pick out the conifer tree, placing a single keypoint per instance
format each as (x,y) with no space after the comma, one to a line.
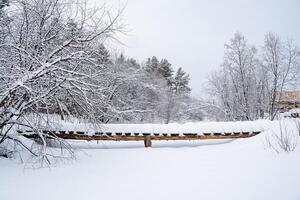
(152,65)
(181,82)
(166,71)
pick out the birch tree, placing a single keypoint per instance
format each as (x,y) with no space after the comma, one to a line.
(282,63)
(236,83)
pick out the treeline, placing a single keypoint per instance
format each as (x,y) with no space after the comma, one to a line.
(151,92)
(250,81)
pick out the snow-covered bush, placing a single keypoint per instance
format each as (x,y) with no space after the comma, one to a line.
(285,138)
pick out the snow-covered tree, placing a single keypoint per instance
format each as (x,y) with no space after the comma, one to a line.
(152,65)
(47,62)
(180,83)
(248,86)
(166,71)
(238,88)
(281,61)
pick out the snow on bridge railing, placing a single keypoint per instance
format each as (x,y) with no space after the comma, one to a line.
(148,132)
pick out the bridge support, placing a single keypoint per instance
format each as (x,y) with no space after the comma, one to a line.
(147,141)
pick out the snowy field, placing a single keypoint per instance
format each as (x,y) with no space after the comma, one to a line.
(229,170)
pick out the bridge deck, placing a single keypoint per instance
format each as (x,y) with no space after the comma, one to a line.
(146,137)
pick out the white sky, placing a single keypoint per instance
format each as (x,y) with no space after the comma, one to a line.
(191,33)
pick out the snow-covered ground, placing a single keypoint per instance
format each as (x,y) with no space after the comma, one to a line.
(231,169)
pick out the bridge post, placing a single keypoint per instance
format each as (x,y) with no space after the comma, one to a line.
(147,141)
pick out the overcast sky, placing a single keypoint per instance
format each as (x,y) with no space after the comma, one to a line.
(191,33)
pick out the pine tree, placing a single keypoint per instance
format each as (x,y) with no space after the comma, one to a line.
(133,63)
(181,82)
(165,68)
(166,71)
(120,59)
(103,55)
(152,65)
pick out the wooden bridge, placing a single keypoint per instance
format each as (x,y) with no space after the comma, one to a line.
(136,136)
